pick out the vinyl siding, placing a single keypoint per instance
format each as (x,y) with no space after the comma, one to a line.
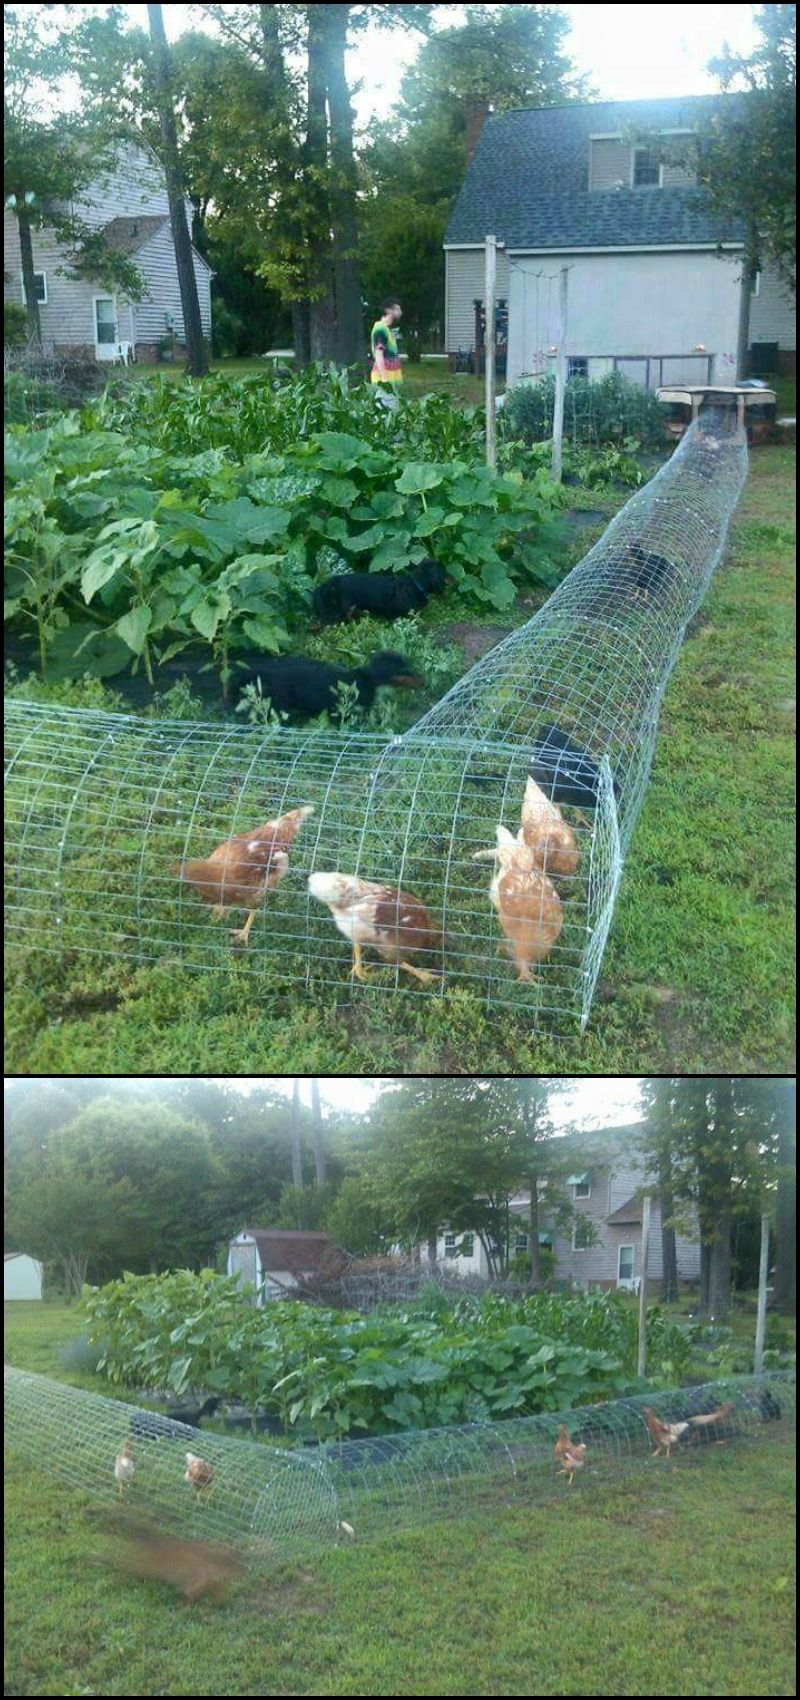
(772,312)
(464,283)
(629,304)
(608,162)
(610,1190)
(137,186)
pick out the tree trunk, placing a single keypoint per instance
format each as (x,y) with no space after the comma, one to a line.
(344,182)
(533,1233)
(719,1288)
(277,96)
(720,1178)
(301,325)
(26,253)
(196,357)
(316,1127)
(322,318)
(785,1278)
(297,1160)
(669,1255)
(432,1244)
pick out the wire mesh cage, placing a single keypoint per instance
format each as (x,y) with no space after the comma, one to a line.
(272,1502)
(488,840)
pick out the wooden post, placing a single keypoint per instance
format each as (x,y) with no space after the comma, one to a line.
(489,350)
(642,1359)
(761,1318)
(561,375)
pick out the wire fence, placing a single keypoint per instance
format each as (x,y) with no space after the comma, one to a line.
(275,1502)
(482,849)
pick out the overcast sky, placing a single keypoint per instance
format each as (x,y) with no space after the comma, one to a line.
(628,52)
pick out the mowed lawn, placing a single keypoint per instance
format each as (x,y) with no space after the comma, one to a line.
(699,971)
(661,1580)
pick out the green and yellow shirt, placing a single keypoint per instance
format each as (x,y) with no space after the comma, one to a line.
(383,338)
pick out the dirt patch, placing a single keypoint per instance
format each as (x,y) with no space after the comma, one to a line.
(475,640)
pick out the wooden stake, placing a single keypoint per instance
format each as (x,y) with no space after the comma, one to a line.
(561,375)
(490,271)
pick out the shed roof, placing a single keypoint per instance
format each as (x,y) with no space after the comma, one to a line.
(293,1250)
(627,1213)
(126,234)
(528,180)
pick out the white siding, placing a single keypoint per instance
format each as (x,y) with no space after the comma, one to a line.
(629,304)
(157,261)
(464,283)
(137,185)
(22,1278)
(772,312)
(609,162)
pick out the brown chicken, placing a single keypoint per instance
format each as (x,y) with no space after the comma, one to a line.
(569,1454)
(709,1419)
(665,1435)
(240,872)
(546,833)
(527,903)
(395,923)
(197,1568)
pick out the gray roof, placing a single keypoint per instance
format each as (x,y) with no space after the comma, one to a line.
(126,234)
(527,182)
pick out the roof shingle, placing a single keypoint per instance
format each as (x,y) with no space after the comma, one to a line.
(528,182)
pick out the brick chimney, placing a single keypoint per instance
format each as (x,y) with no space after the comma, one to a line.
(476,114)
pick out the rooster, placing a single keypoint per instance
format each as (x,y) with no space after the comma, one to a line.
(240,872)
(569,1454)
(527,903)
(665,1435)
(395,923)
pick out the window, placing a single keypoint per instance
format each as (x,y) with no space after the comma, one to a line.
(39,285)
(449,1245)
(756,285)
(105,318)
(581,1234)
(577,366)
(521,1243)
(583,1187)
(626,1263)
(459,1245)
(646,169)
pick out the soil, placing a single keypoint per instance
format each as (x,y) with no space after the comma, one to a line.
(474,640)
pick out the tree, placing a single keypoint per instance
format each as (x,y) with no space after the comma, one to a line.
(297,1158)
(50,162)
(785,1259)
(316,1128)
(343,191)
(196,357)
(657,1101)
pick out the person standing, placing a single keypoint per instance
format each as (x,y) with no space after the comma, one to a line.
(386,369)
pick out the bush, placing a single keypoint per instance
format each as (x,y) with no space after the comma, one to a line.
(229,333)
(607,411)
(15,325)
(36,383)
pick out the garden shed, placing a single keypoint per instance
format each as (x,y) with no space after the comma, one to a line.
(22,1276)
(272,1260)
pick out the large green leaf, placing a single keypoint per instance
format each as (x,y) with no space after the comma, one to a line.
(208,613)
(82,648)
(419,476)
(100,569)
(134,627)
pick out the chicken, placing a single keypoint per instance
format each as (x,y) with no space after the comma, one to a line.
(198,1472)
(546,833)
(665,1435)
(707,1420)
(124,1466)
(240,872)
(570,1455)
(527,903)
(395,923)
(347,1529)
(197,1568)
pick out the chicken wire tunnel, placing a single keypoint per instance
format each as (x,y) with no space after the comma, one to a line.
(272,1502)
(490,837)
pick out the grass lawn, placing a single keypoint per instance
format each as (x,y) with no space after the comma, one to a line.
(699,969)
(654,1580)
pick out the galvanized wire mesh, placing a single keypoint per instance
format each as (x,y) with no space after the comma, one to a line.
(274,1502)
(100,807)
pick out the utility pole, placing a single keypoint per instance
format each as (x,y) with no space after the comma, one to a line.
(761,1315)
(640,1367)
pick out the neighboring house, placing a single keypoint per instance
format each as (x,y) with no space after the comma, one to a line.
(80,317)
(655,277)
(272,1259)
(605,1194)
(22,1276)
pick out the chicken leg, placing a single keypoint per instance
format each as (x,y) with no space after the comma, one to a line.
(358,969)
(241,935)
(423,974)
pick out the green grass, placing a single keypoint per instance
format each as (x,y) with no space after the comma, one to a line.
(673,1580)
(699,970)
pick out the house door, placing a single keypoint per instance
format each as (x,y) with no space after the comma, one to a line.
(106,328)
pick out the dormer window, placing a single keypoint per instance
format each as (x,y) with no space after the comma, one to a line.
(646,169)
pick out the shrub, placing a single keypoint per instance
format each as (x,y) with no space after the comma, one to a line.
(606,411)
(15,325)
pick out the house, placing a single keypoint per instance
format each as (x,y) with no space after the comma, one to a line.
(22,1276)
(654,279)
(273,1259)
(78,316)
(604,1248)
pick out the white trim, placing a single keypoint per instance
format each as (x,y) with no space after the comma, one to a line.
(622,248)
(39,304)
(663,130)
(644,147)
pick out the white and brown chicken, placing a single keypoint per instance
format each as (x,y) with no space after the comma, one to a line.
(241,872)
(527,903)
(394,923)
